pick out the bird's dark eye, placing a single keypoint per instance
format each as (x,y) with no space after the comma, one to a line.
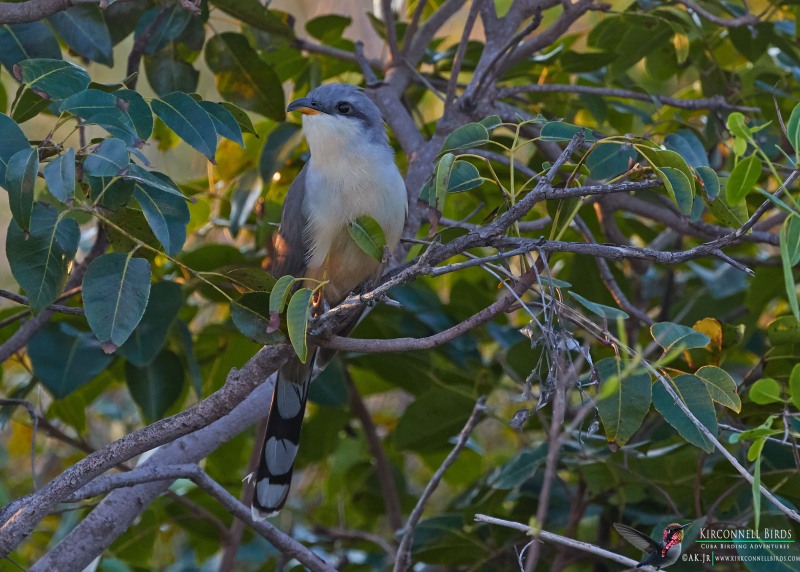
(343,107)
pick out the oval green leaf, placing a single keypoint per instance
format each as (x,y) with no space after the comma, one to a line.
(743,178)
(115,293)
(368,235)
(20,183)
(297,315)
(108,159)
(188,120)
(466,136)
(624,398)
(721,386)
(59,175)
(692,392)
(765,391)
(40,261)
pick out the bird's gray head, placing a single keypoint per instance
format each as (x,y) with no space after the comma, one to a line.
(339,116)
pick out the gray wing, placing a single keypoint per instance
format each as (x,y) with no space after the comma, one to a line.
(288,243)
(639,540)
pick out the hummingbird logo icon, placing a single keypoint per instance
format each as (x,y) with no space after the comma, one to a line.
(660,554)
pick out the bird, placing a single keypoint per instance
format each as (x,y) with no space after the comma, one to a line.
(659,554)
(351,173)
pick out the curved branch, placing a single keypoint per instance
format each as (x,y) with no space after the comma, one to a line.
(20,517)
(34,10)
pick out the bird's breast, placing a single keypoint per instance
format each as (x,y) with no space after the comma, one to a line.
(337,195)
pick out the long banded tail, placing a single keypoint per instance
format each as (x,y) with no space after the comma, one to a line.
(274,474)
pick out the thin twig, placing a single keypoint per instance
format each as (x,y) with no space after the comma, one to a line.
(558,539)
(383,468)
(403,560)
(69,310)
(714,103)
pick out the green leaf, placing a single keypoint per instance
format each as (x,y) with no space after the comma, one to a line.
(55,78)
(675,337)
(149,336)
(252,278)
(27,104)
(793,128)
(251,317)
(189,121)
(790,239)
(466,136)
(157,180)
(64,359)
(20,183)
(679,187)
(254,13)
(166,213)
(464,177)
(787,251)
(297,315)
(794,386)
(167,74)
(737,126)
(112,193)
(368,235)
(84,31)
(441,181)
(97,107)
(625,395)
(784,330)
(241,117)
(721,386)
(115,293)
(610,160)
(688,146)
(137,110)
(732,216)
(59,175)
(277,149)
(155,387)
(329,27)
(12,142)
(519,469)
(280,293)
(600,309)
(693,393)
(415,431)
(108,159)
(660,159)
(743,178)
(560,131)
(243,78)
(765,391)
(27,41)
(710,181)
(224,121)
(40,262)
(170,22)
(491,122)
(756,486)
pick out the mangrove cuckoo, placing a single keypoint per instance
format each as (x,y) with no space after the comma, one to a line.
(351,173)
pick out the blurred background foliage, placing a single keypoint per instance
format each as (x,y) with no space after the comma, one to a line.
(189,336)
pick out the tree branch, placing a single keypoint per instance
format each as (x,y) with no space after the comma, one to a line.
(69,310)
(149,473)
(20,517)
(403,560)
(713,103)
(568,542)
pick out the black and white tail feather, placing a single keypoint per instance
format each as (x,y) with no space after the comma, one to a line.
(282,439)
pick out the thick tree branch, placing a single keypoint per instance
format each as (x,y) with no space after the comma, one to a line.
(151,473)
(20,517)
(35,10)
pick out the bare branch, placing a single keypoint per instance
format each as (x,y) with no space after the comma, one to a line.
(148,474)
(746,20)
(383,468)
(20,517)
(415,344)
(34,10)
(69,310)
(558,539)
(391,31)
(714,103)
(403,560)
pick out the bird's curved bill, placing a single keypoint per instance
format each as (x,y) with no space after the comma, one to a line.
(303,105)
(684,526)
